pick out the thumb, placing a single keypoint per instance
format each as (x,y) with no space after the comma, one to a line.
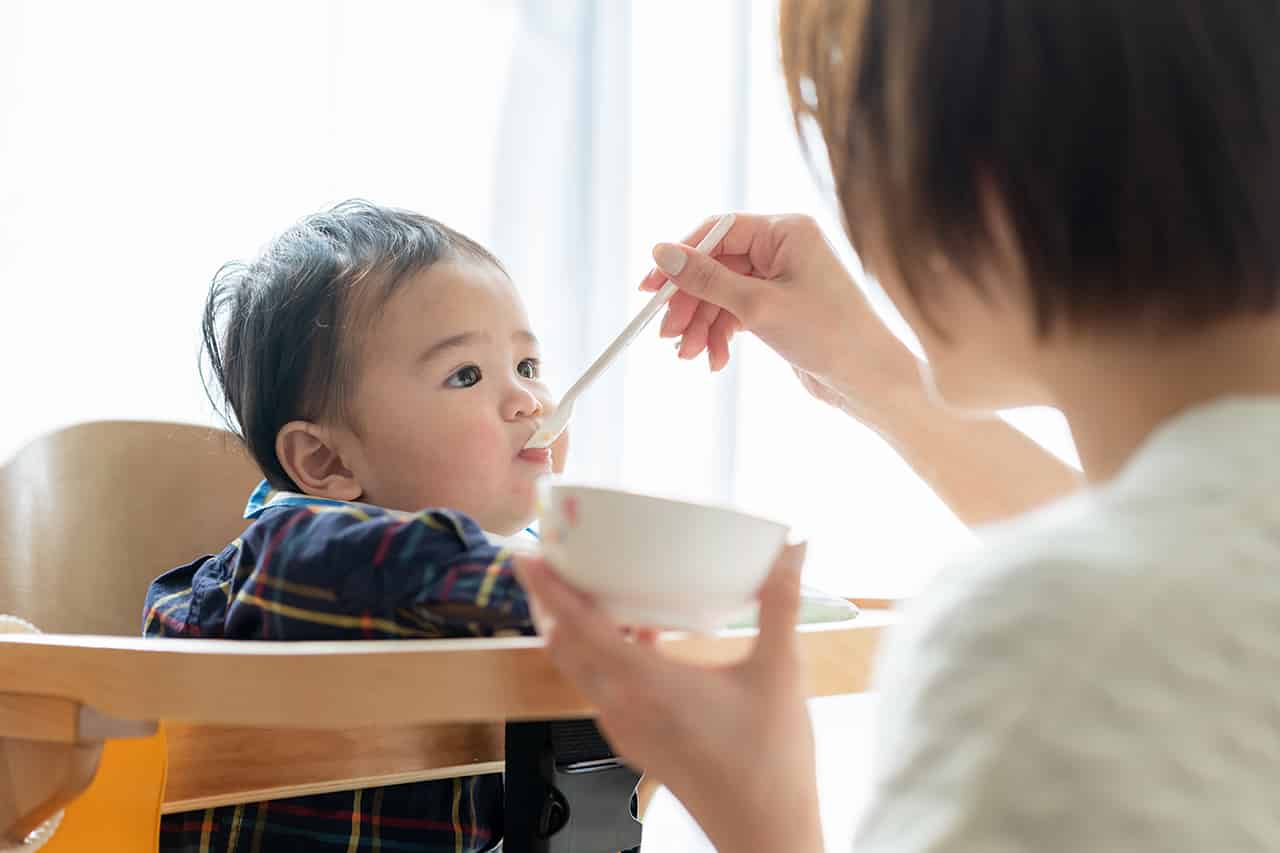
(703,276)
(779,607)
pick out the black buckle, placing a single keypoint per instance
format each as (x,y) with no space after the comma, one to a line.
(565,792)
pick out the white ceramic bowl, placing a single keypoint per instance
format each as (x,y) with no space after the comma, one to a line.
(653,561)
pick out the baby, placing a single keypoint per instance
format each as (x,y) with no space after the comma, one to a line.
(382,372)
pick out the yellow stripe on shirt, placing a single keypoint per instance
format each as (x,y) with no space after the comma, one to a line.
(491,578)
(305,590)
(457,821)
(155,608)
(353,844)
(206,830)
(234,836)
(376,819)
(353,511)
(333,619)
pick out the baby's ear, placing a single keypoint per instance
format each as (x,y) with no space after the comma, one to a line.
(309,457)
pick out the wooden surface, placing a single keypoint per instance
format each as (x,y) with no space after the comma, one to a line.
(222,765)
(91,514)
(330,685)
(39,718)
(878,603)
(213,765)
(37,778)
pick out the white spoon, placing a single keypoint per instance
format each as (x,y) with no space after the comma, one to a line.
(554,425)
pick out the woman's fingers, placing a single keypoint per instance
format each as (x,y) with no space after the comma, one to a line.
(555,598)
(530,571)
(718,338)
(683,306)
(694,726)
(680,310)
(775,648)
(656,278)
(703,326)
(584,643)
(695,335)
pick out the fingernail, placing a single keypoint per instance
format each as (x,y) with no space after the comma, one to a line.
(670,259)
(796,553)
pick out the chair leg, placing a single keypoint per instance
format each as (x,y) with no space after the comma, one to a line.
(49,752)
(566,792)
(37,778)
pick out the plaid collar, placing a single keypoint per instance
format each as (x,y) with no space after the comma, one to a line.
(265,497)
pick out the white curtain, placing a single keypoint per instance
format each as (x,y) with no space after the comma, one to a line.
(559,202)
(711,131)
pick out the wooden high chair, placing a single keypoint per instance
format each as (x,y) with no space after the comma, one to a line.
(89,515)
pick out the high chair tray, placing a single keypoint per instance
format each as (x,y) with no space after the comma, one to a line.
(328,685)
(376,713)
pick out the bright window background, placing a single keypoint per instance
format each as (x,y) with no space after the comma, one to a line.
(142,144)
(150,142)
(713,132)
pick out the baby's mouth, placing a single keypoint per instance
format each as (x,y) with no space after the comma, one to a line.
(536,455)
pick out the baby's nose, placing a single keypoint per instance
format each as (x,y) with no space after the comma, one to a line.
(524,404)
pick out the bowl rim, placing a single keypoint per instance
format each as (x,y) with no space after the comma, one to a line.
(545,484)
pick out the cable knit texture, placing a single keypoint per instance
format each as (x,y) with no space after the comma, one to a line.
(1103,674)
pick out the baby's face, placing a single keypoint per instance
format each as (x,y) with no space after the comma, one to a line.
(448,392)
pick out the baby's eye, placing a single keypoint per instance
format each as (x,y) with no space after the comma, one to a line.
(530,368)
(464,377)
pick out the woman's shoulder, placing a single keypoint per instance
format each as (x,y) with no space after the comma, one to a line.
(1041,679)
(1145,562)
(1198,484)
(1063,557)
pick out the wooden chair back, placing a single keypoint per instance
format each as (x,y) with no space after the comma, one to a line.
(91,514)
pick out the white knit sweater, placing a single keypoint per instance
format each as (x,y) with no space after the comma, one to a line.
(1103,674)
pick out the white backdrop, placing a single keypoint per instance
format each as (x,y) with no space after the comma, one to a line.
(143,143)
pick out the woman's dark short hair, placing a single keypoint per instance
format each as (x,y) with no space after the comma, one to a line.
(282,331)
(1133,143)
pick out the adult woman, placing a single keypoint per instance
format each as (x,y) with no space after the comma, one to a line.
(1073,205)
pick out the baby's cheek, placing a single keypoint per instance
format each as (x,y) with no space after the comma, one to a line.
(477,452)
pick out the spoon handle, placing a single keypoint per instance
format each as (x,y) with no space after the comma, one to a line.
(637,324)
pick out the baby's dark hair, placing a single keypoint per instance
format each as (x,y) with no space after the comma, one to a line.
(278,329)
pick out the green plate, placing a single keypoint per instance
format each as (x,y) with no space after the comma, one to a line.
(816,607)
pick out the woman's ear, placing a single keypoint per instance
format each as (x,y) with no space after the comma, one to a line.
(309,456)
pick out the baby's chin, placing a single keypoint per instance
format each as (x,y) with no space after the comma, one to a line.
(503,521)
(510,525)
